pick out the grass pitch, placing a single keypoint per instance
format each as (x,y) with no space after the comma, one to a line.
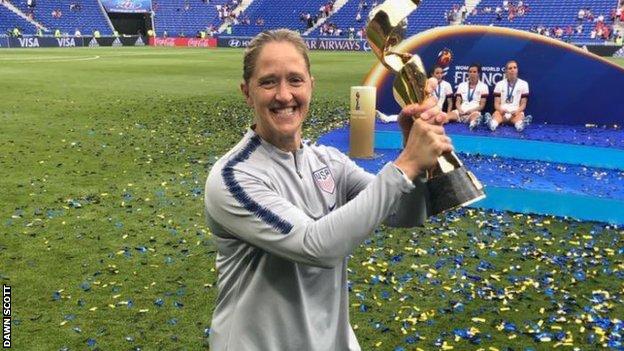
(103,157)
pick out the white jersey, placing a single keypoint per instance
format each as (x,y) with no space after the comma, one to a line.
(283,224)
(511,95)
(472,97)
(443,92)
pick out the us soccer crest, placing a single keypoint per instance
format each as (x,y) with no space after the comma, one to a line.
(324,180)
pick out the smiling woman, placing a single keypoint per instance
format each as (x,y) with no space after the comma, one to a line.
(279,89)
(285,214)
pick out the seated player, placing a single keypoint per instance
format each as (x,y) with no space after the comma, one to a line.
(443,92)
(510,100)
(470,98)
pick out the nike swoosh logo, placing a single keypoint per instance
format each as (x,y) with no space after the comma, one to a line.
(331,208)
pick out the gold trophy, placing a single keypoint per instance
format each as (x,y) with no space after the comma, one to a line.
(450,183)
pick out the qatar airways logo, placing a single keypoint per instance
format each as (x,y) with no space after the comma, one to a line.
(338,45)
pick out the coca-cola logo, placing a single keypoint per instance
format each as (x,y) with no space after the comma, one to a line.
(204,43)
(164,41)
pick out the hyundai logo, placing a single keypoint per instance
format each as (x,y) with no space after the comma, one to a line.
(234,43)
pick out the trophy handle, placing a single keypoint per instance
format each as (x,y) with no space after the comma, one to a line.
(410,83)
(386,30)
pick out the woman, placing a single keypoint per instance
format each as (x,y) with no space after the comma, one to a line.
(286,214)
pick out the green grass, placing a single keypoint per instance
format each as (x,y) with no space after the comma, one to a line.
(618,60)
(103,158)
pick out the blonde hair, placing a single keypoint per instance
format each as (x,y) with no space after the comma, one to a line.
(276,35)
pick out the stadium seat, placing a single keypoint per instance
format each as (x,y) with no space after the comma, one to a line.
(88,17)
(10,20)
(185,16)
(548,13)
(345,18)
(277,14)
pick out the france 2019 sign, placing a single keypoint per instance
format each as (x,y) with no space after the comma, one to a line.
(567,85)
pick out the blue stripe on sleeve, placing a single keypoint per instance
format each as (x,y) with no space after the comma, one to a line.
(266,215)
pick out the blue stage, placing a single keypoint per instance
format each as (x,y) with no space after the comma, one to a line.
(571,171)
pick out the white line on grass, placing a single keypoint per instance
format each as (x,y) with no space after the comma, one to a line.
(49,59)
(173,52)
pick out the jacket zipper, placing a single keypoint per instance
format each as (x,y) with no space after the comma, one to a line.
(297,166)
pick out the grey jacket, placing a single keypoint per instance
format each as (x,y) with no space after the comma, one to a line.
(284,224)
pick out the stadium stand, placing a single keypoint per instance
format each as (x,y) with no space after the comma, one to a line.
(10,20)
(430,14)
(540,15)
(276,14)
(548,14)
(186,17)
(345,17)
(67,15)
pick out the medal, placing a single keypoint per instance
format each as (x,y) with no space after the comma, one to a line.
(510,90)
(471,94)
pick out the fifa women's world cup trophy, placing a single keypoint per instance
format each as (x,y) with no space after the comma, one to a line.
(450,183)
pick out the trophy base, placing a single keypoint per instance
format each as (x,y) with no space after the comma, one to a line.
(456,188)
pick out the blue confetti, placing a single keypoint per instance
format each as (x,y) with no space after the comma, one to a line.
(85,286)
